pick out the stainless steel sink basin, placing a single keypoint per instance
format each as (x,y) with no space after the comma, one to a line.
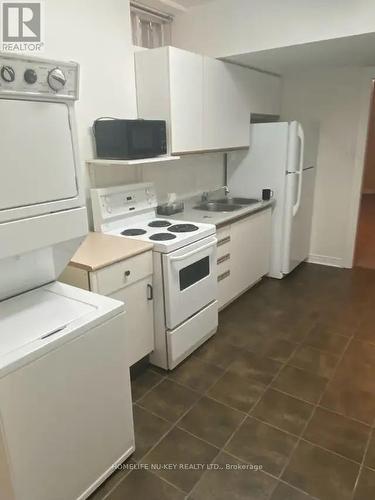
(215,206)
(237,201)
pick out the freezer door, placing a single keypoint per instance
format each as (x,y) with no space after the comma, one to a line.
(298,217)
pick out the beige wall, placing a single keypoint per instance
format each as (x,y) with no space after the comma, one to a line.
(369,172)
(97,35)
(226,27)
(333,97)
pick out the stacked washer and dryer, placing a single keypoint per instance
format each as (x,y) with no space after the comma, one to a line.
(65,404)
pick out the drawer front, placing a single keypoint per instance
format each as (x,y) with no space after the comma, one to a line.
(225,287)
(224,243)
(113,278)
(184,339)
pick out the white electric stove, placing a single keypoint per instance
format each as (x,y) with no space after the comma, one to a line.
(185,279)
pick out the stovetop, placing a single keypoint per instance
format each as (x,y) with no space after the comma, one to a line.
(166,235)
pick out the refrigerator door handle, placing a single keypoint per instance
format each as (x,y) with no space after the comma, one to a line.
(299,172)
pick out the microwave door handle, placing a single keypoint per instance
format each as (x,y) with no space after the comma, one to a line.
(189,254)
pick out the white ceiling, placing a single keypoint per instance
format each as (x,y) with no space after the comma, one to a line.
(356,50)
(191,3)
(172,6)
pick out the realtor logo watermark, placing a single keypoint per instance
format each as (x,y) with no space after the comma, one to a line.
(22,26)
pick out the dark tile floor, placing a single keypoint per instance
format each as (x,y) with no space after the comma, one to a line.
(279,405)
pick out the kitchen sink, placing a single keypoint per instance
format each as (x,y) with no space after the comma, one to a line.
(237,201)
(215,206)
(227,204)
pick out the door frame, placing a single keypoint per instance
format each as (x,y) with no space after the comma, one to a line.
(367,89)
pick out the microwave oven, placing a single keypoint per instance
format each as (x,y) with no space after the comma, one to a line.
(118,139)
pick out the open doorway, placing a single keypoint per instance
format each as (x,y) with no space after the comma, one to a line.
(365,242)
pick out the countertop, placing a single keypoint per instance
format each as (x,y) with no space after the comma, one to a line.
(100,250)
(220,219)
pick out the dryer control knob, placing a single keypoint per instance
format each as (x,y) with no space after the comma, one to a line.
(8,74)
(56,79)
(30,76)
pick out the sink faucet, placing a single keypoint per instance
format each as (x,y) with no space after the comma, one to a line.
(206,194)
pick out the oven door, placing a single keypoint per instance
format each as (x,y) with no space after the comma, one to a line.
(190,281)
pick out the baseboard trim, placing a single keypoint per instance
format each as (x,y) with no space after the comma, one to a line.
(325,260)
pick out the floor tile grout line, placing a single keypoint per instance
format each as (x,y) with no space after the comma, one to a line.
(196,402)
(320,405)
(175,424)
(300,436)
(313,412)
(362,465)
(225,370)
(151,388)
(341,414)
(223,449)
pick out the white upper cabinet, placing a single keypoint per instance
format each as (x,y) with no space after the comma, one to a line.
(204,106)
(186,100)
(226,112)
(170,87)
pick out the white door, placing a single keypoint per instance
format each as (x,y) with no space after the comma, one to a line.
(298,220)
(298,202)
(251,246)
(37,158)
(226,113)
(139,318)
(186,100)
(190,280)
(264,166)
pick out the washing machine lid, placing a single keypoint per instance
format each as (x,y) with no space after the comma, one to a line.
(36,322)
(37,315)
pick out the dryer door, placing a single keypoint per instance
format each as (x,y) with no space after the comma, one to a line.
(38,163)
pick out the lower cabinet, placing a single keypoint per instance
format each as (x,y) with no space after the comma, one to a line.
(131,282)
(139,317)
(243,255)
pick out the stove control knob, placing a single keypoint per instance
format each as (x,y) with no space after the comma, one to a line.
(56,79)
(30,76)
(8,74)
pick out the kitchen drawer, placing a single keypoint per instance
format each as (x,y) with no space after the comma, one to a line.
(112,278)
(189,335)
(224,240)
(225,286)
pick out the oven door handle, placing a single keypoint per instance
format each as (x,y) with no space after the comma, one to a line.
(193,252)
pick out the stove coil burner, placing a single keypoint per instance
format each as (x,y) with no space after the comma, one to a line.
(162,237)
(160,223)
(133,232)
(183,228)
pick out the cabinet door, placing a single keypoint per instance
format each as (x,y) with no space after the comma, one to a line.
(251,244)
(186,100)
(139,318)
(226,113)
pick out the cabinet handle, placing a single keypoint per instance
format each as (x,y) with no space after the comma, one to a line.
(223,276)
(222,259)
(126,274)
(150,292)
(223,241)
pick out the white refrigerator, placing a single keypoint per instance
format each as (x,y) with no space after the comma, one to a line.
(281,157)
